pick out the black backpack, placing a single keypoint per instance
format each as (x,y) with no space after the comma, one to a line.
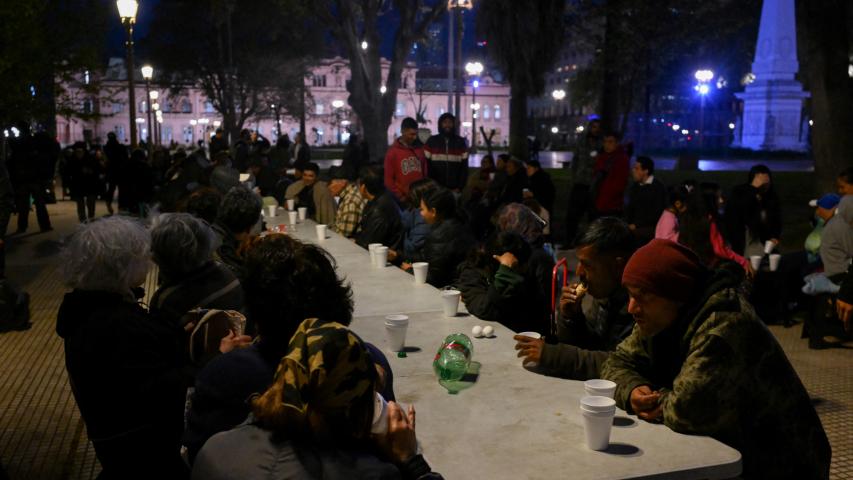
(14,308)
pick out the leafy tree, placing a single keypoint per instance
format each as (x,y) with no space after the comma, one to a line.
(350,22)
(523,38)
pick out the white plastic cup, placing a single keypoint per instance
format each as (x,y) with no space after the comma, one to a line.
(599,387)
(491,175)
(291,215)
(450,299)
(381,256)
(598,403)
(769,246)
(371,248)
(303,212)
(395,331)
(290,204)
(774,261)
(420,269)
(597,426)
(321,232)
(534,336)
(271,210)
(755,260)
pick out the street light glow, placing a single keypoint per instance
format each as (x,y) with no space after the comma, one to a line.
(154,95)
(558,94)
(475,106)
(383,89)
(466,124)
(460,4)
(704,75)
(475,84)
(147,72)
(555,129)
(676,127)
(579,129)
(339,103)
(731,126)
(364,45)
(127,9)
(155,106)
(685,131)
(703,89)
(346,123)
(474,68)
(193,122)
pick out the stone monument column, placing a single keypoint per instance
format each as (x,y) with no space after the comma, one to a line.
(773,103)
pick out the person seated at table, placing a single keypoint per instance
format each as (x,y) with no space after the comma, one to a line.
(449,239)
(844,182)
(265,178)
(380,221)
(478,184)
(124,365)
(182,246)
(701,361)
(699,230)
(667,226)
(287,281)
(498,284)
(588,331)
(315,420)
(521,219)
(222,175)
(646,200)
(415,228)
(238,214)
(313,194)
(753,214)
(350,205)
(204,204)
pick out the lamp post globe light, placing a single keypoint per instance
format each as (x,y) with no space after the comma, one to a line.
(147,75)
(558,94)
(454,50)
(337,104)
(127,12)
(703,77)
(474,69)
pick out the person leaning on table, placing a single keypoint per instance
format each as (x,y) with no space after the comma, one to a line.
(701,361)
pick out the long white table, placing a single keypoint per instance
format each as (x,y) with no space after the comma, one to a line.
(511,423)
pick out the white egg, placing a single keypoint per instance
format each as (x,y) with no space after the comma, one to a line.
(488,331)
(477,331)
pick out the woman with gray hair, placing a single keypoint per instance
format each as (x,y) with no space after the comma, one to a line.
(182,246)
(124,366)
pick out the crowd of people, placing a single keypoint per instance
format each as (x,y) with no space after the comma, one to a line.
(661,303)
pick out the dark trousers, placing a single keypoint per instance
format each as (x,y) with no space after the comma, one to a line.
(22,202)
(580,205)
(109,195)
(86,204)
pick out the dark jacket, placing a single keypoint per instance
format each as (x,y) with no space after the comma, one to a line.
(138,188)
(249,452)
(646,201)
(84,175)
(846,292)
(380,223)
(266,181)
(117,158)
(447,158)
(125,371)
(722,373)
(212,285)
(227,251)
(415,231)
(587,340)
(543,189)
(224,178)
(509,296)
(507,188)
(749,210)
(445,248)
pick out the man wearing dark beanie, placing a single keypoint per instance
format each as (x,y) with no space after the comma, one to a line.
(702,362)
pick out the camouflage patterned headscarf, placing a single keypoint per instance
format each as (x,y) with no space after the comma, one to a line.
(517,218)
(327,372)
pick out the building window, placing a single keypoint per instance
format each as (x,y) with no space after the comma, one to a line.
(188,134)
(319,81)
(143,106)
(486,112)
(186,106)
(497,112)
(400,110)
(319,109)
(165,106)
(208,107)
(119,129)
(440,111)
(117,108)
(166,134)
(405,82)
(88,107)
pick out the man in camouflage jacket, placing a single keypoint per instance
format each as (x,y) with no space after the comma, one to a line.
(701,361)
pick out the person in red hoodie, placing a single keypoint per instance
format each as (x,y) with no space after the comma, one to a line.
(404,161)
(610,178)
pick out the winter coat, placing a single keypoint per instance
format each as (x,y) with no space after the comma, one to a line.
(447,159)
(226,253)
(583,160)
(125,372)
(543,189)
(249,452)
(415,231)
(610,180)
(380,223)
(84,175)
(324,203)
(587,339)
(403,165)
(509,296)
(722,373)
(836,247)
(445,248)
(212,285)
(117,158)
(750,211)
(646,202)
(224,178)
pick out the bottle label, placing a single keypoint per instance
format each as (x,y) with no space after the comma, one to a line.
(459,347)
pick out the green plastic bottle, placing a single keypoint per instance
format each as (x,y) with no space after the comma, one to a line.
(453,358)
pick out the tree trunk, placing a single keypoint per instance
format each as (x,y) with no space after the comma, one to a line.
(610,84)
(824,31)
(518,122)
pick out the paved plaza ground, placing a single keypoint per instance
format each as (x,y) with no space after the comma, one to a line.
(43,437)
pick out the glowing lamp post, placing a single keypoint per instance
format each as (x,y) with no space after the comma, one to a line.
(474,69)
(703,77)
(147,75)
(127,13)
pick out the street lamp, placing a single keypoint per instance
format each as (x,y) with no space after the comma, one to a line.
(147,75)
(703,77)
(474,69)
(337,104)
(558,94)
(277,119)
(454,49)
(127,13)
(364,45)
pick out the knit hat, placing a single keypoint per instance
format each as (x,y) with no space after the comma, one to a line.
(664,268)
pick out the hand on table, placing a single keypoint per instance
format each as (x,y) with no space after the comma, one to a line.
(845,313)
(392,255)
(570,300)
(529,348)
(232,341)
(507,259)
(400,443)
(406,266)
(750,272)
(646,403)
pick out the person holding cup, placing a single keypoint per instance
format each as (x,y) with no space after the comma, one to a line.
(380,220)
(702,362)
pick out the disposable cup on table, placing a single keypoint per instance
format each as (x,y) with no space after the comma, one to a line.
(371,248)
(769,246)
(755,261)
(420,269)
(450,302)
(395,331)
(321,232)
(303,212)
(597,426)
(271,210)
(290,204)
(535,336)
(291,216)
(381,256)
(774,261)
(600,387)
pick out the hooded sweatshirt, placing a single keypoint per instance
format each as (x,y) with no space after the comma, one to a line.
(447,156)
(836,247)
(403,165)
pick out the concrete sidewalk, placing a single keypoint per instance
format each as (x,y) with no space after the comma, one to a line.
(43,437)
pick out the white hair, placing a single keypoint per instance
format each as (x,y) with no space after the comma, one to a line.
(109,254)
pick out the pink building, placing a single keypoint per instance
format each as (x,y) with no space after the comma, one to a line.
(95,103)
